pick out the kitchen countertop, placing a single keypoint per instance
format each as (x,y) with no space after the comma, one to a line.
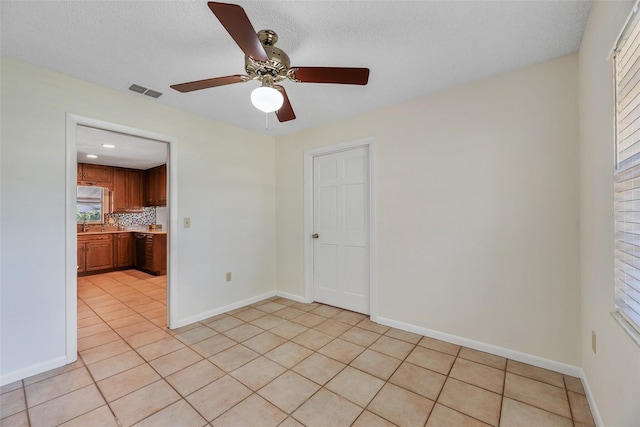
(92,233)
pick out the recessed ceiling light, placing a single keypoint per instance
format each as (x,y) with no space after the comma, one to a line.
(92,156)
(108,146)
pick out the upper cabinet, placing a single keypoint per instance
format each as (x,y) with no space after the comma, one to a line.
(128,190)
(97,175)
(156,186)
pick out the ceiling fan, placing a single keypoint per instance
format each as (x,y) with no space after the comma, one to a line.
(269,65)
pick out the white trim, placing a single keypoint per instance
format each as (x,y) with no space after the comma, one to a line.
(368,142)
(29,371)
(292,297)
(597,418)
(223,309)
(71,320)
(541,362)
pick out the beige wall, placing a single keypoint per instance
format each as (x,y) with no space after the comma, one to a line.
(613,372)
(477,209)
(225,184)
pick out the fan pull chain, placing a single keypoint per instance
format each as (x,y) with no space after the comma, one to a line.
(266,121)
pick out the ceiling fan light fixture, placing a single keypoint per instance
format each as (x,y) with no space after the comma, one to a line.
(267,99)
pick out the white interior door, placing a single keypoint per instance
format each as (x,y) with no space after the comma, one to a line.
(341,229)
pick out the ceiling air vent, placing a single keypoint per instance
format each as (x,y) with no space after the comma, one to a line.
(145,91)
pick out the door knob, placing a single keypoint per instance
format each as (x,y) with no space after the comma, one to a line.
(315,236)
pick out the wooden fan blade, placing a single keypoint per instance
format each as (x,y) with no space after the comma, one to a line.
(234,19)
(339,75)
(285,113)
(207,83)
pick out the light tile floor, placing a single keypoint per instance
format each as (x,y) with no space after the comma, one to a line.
(276,362)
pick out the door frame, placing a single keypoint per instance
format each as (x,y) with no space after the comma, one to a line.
(369,143)
(71,235)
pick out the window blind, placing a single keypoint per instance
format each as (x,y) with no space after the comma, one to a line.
(627,173)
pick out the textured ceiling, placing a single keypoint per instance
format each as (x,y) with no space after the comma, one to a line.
(413,48)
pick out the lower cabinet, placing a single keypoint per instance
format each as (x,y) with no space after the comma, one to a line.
(144,251)
(122,250)
(95,253)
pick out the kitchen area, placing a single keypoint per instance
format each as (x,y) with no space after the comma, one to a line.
(121,203)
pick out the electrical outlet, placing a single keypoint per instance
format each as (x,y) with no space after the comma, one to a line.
(187,223)
(228,276)
(593,341)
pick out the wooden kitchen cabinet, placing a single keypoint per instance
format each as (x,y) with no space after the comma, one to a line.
(95,252)
(122,250)
(156,186)
(100,176)
(128,190)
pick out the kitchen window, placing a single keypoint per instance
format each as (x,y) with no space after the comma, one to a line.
(626,62)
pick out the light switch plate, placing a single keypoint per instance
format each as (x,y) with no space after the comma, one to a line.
(187,223)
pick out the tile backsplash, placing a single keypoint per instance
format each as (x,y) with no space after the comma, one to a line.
(146,217)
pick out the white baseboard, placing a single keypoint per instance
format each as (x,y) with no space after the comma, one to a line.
(29,371)
(541,362)
(287,295)
(597,418)
(210,313)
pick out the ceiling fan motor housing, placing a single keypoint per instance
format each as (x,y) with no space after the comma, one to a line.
(278,63)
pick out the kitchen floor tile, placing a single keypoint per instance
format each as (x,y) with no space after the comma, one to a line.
(319,368)
(355,385)
(101,416)
(418,380)
(264,342)
(53,387)
(332,327)
(128,381)
(538,394)
(479,375)
(441,416)
(114,365)
(289,354)
(12,402)
(258,372)
(535,373)
(518,414)
(482,357)
(341,350)
(173,362)
(253,411)
(312,339)
(141,403)
(401,406)
(580,409)
(216,398)
(66,407)
(288,391)
(369,419)
(225,323)
(471,400)
(243,332)
(194,377)
(360,336)
(409,337)
(180,413)
(441,346)
(288,329)
(314,411)
(431,359)
(392,347)
(377,364)
(233,357)
(213,345)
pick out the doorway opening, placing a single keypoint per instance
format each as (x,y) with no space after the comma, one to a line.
(127,232)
